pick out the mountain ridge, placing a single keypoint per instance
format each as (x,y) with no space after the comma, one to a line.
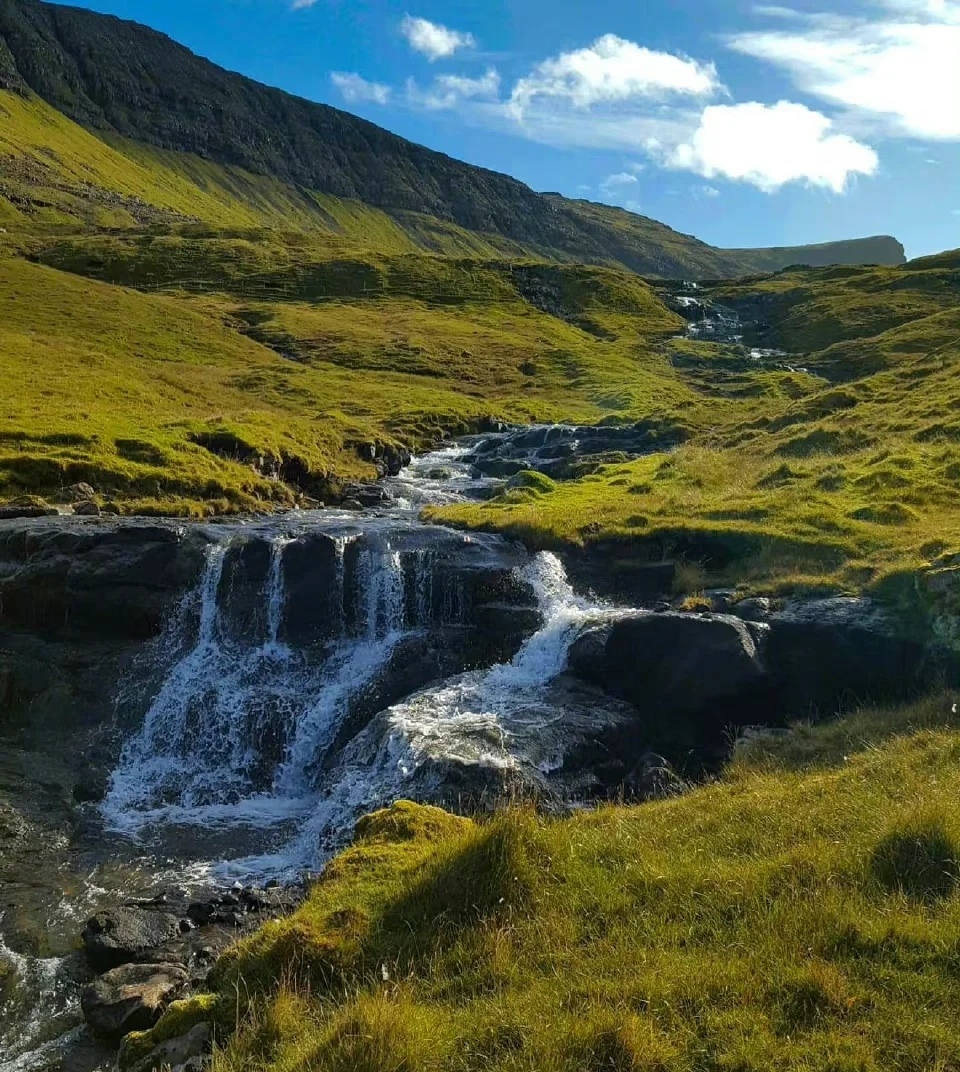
(121,79)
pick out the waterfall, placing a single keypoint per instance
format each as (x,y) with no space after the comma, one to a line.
(237,728)
(479,718)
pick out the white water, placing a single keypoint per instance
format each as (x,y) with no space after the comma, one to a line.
(495,718)
(233,766)
(198,757)
(45,1007)
(241,732)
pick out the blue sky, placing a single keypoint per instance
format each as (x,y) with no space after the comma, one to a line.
(745,124)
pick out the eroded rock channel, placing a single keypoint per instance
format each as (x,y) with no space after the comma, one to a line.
(195,715)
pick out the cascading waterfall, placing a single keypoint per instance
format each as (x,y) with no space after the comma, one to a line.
(252,723)
(200,755)
(492,718)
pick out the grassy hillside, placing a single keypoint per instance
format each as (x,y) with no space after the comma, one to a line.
(849,482)
(130,84)
(208,397)
(632,239)
(801,913)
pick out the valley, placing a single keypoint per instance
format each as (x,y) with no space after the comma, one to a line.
(446,626)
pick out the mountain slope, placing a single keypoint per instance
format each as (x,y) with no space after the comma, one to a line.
(122,79)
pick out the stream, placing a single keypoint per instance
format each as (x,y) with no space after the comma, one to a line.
(324,664)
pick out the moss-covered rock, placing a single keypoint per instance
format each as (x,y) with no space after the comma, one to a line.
(179,1020)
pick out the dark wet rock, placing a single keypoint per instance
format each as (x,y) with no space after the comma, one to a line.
(131,997)
(690,677)
(653,778)
(613,573)
(87,508)
(367,495)
(561,451)
(829,655)
(125,935)
(757,609)
(94,581)
(351,504)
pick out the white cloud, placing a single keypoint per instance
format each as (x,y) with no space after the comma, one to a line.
(896,66)
(355,89)
(709,191)
(770,146)
(612,70)
(450,90)
(432,40)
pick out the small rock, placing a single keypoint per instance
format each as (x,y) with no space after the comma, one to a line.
(79,493)
(87,508)
(753,610)
(201,913)
(131,997)
(351,504)
(123,935)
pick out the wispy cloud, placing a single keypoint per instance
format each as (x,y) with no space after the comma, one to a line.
(432,40)
(618,184)
(895,67)
(354,89)
(450,90)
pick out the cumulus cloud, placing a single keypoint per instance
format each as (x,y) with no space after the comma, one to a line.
(612,70)
(770,146)
(355,89)
(432,40)
(450,90)
(897,65)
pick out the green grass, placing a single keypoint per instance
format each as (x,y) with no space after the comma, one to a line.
(800,913)
(121,388)
(789,479)
(170,302)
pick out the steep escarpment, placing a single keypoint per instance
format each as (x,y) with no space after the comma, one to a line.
(123,79)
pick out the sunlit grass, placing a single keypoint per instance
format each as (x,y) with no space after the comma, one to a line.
(790,916)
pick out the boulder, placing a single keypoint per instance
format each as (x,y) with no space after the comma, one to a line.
(131,997)
(26,507)
(77,493)
(828,655)
(87,508)
(66,578)
(756,609)
(124,935)
(689,676)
